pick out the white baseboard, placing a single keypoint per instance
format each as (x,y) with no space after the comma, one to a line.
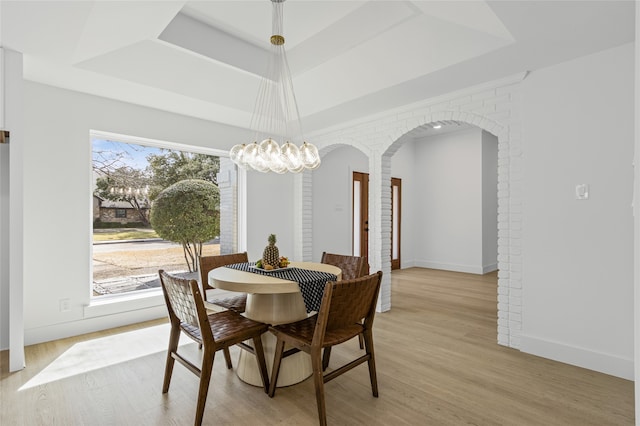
(450,267)
(581,357)
(89,325)
(489,268)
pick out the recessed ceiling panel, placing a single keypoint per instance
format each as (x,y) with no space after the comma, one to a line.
(79,80)
(251,20)
(420,46)
(473,14)
(115,24)
(198,37)
(349,59)
(354,29)
(157,64)
(46,29)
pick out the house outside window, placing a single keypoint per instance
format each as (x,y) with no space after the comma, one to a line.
(121,213)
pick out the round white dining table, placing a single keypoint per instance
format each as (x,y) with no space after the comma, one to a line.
(273,301)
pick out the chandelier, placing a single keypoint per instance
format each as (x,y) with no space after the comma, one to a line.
(276,119)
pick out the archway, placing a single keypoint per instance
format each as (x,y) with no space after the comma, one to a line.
(490,107)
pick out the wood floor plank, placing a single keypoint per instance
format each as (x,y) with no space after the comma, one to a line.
(437,359)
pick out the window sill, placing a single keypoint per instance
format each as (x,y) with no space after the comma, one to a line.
(110,305)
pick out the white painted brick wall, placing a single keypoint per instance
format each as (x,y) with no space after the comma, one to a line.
(228,186)
(492,107)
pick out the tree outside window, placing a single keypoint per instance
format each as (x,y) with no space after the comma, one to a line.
(133,175)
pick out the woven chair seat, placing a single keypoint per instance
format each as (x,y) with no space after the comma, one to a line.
(303,331)
(229,327)
(235,303)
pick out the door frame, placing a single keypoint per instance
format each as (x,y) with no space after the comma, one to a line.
(396,182)
(361,229)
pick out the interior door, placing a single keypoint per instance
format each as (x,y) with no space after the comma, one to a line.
(361,215)
(396,198)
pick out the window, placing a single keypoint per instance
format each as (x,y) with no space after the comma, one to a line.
(128,175)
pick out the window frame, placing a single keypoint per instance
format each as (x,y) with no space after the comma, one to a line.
(143,299)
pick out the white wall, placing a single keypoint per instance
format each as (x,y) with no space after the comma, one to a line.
(332,200)
(57,207)
(489,202)
(448,225)
(403,166)
(578,254)
(270,210)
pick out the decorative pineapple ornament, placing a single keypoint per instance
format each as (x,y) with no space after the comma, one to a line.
(271,254)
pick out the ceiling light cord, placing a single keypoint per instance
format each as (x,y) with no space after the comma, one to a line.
(276,118)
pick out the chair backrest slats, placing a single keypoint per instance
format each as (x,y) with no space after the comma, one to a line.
(351,266)
(207,263)
(185,305)
(347,302)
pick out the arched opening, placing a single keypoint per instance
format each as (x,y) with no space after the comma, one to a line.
(504,223)
(381,137)
(332,224)
(449,204)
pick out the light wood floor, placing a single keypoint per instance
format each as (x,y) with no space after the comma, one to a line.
(437,359)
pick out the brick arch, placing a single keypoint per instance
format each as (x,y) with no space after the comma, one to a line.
(351,143)
(492,107)
(397,139)
(493,127)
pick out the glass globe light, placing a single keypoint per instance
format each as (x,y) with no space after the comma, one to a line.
(269,150)
(260,164)
(309,156)
(236,153)
(291,157)
(277,166)
(251,152)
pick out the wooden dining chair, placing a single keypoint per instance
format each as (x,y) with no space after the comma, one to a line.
(344,304)
(235,302)
(352,267)
(214,332)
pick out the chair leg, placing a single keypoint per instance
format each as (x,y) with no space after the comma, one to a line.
(318,380)
(174,338)
(277,360)
(361,341)
(205,378)
(326,355)
(262,364)
(227,357)
(368,341)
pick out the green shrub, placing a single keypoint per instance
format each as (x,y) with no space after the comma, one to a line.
(187,212)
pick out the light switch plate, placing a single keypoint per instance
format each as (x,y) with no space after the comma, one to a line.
(582,191)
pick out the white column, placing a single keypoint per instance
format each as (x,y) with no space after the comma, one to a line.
(4,222)
(13,111)
(380,224)
(636,219)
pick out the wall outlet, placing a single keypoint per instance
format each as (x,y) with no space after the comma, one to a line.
(65,305)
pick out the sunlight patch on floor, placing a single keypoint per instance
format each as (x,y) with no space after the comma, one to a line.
(104,352)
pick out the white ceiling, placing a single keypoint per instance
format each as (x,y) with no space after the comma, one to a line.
(348,58)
